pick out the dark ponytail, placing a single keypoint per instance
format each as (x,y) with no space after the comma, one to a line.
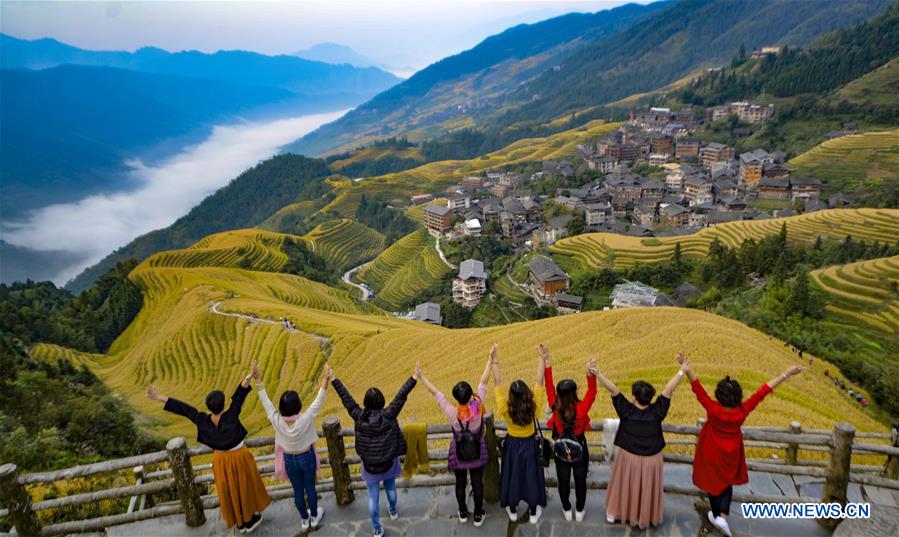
(729,392)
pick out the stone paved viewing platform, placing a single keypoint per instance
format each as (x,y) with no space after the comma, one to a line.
(431,512)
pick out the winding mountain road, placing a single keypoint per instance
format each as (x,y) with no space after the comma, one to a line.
(347,277)
(214,308)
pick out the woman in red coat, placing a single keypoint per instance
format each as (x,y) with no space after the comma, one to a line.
(720,461)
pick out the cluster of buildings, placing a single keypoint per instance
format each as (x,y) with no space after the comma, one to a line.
(745,111)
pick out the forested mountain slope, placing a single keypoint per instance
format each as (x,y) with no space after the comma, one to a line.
(455,90)
(634,52)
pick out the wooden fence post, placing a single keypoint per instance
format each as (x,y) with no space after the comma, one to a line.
(838,472)
(491,471)
(18,501)
(183,473)
(793,447)
(340,470)
(891,469)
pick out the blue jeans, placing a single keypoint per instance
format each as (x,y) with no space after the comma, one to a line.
(374,496)
(301,472)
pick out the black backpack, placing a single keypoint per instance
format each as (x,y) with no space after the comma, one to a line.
(566,447)
(468,444)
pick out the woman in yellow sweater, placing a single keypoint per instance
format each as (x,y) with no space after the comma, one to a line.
(522,474)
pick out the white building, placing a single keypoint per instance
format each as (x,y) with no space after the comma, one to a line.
(472,228)
(471,283)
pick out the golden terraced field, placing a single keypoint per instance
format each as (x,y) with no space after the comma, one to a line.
(844,163)
(345,243)
(408,266)
(862,301)
(593,250)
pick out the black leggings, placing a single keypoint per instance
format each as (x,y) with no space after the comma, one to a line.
(477,489)
(564,471)
(721,503)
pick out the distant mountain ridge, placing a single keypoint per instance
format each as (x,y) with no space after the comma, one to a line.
(432,97)
(336,54)
(537,73)
(72,117)
(234,66)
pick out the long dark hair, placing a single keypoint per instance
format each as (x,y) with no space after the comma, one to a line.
(566,401)
(522,407)
(729,392)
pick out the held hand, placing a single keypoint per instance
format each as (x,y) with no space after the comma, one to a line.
(255,371)
(592,367)
(681,358)
(793,370)
(418,372)
(152,393)
(493,359)
(686,367)
(543,352)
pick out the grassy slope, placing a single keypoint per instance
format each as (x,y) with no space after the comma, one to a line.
(860,302)
(864,161)
(407,267)
(343,244)
(877,87)
(592,250)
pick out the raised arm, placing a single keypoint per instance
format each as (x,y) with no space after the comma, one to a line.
(352,407)
(606,383)
(485,376)
(243,389)
(420,375)
(792,371)
(542,363)
(395,406)
(173,405)
(494,362)
(319,400)
(672,385)
(590,395)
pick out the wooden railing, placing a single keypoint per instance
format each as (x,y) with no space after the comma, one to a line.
(171,472)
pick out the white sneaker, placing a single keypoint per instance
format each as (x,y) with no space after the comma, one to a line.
(567,515)
(513,515)
(378,533)
(317,519)
(304,524)
(479,520)
(463,517)
(722,524)
(536,516)
(394,515)
(610,519)
(579,516)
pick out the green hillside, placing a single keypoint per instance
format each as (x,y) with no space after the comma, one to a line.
(406,268)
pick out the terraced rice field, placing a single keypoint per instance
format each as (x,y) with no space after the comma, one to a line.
(345,243)
(398,186)
(861,300)
(593,250)
(630,344)
(870,160)
(285,220)
(408,266)
(242,248)
(186,349)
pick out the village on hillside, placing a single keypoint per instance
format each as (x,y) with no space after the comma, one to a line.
(652,177)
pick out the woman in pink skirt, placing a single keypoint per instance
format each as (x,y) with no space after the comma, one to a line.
(636,494)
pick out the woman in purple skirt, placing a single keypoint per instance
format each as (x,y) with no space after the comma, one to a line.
(468,448)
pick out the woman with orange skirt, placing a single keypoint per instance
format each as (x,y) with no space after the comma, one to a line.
(242,495)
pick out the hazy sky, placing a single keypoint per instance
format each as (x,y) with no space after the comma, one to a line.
(401,34)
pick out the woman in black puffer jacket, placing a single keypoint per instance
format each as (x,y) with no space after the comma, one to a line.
(379,443)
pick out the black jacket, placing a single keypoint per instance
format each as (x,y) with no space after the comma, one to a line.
(229,432)
(379,440)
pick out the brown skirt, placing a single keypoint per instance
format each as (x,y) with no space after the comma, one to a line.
(239,485)
(636,489)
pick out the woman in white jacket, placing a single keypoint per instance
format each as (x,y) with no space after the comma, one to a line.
(295,437)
